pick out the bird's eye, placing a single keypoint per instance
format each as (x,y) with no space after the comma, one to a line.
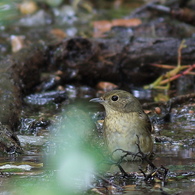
(114,98)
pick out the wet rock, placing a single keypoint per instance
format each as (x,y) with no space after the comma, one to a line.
(32,140)
(38,19)
(33,126)
(9,142)
(185,84)
(51,82)
(18,75)
(10,101)
(26,67)
(46,98)
(90,61)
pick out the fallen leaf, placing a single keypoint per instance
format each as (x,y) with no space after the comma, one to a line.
(28,7)
(58,33)
(106,86)
(126,22)
(103,26)
(17,43)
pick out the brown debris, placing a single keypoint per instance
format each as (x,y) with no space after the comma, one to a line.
(106,86)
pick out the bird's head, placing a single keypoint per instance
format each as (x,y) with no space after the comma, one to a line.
(119,100)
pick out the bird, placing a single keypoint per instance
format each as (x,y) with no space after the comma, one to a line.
(126,126)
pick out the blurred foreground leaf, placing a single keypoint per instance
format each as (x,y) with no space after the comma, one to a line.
(8,11)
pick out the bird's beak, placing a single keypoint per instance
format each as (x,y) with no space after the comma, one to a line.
(99,100)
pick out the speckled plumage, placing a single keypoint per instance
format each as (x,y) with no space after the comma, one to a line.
(125,124)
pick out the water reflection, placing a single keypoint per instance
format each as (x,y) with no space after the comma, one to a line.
(168,154)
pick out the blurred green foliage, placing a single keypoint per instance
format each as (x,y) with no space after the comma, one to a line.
(73,157)
(8,11)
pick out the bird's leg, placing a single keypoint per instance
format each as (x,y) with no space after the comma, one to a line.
(144,156)
(125,174)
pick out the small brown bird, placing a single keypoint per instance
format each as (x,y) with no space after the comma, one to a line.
(125,124)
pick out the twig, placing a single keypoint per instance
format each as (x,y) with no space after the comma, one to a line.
(172,74)
(181,46)
(107,181)
(178,75)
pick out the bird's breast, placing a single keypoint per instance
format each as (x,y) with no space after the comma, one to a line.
(122,132)
(122,123)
